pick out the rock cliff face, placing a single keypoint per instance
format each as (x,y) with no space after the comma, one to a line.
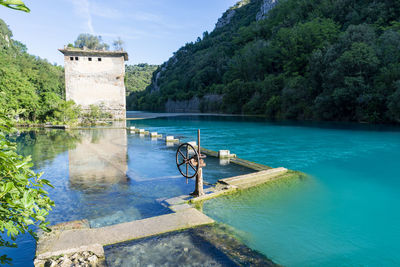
(266,6)
(228,15)
(208,103)
(154,83)
(225,19)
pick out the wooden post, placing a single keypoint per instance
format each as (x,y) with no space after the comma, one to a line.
(198,191)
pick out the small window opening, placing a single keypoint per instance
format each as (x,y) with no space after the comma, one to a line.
(76,58)
(90,59)
(99,59)
(71,58)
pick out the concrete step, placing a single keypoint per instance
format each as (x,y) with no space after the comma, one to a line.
(254,179)
(58,242)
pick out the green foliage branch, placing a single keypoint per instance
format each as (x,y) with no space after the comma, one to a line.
(24,202)
(90,41)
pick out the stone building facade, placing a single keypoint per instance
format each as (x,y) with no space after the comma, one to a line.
(94,77)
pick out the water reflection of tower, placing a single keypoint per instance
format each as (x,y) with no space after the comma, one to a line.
(99,160)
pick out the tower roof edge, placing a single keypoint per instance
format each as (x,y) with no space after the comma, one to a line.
(87,52)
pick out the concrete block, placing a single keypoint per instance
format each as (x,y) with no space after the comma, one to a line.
(132,128)
(169,138)
(224,154)
(141,131)
(154,134)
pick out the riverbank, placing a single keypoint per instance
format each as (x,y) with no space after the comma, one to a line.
(138,115)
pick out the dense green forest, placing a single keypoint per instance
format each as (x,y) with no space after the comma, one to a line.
(137,78)
(29,85)
(309,59)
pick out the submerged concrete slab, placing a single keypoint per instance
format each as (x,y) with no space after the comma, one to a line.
(254,179)
(217,192)
(249,164)
(70,240)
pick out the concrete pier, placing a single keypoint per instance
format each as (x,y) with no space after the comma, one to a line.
(60,242)
(171,139)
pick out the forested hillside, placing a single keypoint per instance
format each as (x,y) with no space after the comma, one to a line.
(28,83)
(137,78)
(309,59)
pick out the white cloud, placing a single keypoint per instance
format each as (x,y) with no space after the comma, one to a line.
(103,11)
(155,24)
(82,9)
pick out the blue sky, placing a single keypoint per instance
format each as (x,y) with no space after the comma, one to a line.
(152,29)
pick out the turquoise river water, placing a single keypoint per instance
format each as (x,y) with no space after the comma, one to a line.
(345,213)
(107,176)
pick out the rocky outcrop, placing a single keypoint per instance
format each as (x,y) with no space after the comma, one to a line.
(155,87)
(266,6)
(208,103)
(191,105)
(225,19)
(154,83)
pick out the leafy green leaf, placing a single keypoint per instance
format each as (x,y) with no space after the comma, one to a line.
(15,4)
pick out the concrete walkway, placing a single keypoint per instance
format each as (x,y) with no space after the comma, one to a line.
(254,179)
(69,240)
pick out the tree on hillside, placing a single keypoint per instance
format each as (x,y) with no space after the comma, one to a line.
(91,42)
(138,77)
(118,44)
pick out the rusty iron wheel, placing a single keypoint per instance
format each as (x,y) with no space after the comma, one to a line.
(187,158)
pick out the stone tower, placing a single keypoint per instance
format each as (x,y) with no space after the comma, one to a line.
(96,77)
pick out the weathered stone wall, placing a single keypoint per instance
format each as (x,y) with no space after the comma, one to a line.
(96,82)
